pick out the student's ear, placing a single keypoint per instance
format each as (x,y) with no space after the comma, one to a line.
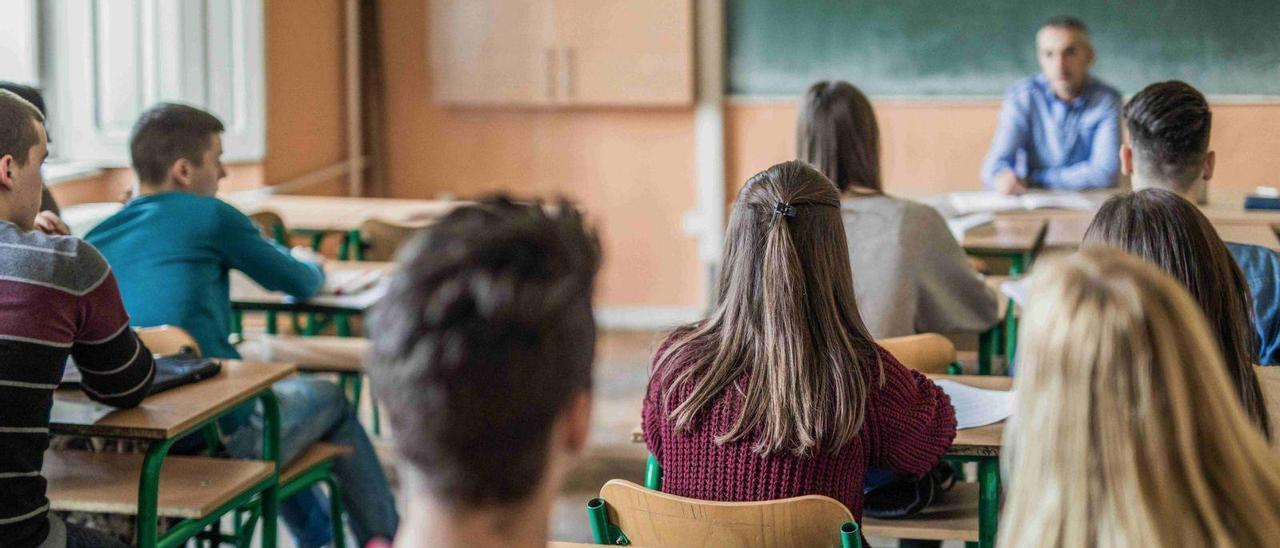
(1209,160)
(1126,160)
(180,172)
(6,172)
(577,417)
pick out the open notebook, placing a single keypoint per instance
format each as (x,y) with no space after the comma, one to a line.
(349,282)
(964,203)
(975,406)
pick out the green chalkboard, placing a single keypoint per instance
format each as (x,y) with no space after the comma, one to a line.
(980,47)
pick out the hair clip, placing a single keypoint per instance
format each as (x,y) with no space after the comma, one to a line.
(784,209)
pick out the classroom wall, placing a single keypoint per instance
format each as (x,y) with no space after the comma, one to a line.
(934,147)
(306,128)
(632,169)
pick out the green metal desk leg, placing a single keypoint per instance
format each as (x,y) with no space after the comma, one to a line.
(653,474)
(149,493)
(355,242)
(988,342)
(1011,337)
(335,511)
(988,500)
(270,453)
(1017,264)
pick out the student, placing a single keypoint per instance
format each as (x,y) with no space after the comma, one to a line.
(482,355)
(782,378)
(909,274)
(1168,147)
(1122,433)
(1171,233)
(58,297)
(172,247)
(1059,129)
(50,221)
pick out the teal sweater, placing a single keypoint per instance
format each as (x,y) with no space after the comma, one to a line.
(171,253)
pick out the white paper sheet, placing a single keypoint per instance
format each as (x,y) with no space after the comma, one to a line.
(1016,290)
(977,407)
(964,203)
(75,412)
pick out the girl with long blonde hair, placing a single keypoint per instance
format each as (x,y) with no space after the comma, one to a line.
(781,391)
(1126,430)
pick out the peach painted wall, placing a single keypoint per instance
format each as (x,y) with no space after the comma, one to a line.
(935,147)
(631,169)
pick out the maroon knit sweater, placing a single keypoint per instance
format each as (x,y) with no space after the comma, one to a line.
(909,425)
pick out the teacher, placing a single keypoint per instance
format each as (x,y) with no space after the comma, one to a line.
(1060,129)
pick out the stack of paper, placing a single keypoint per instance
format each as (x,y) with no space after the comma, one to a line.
(964,203)
(959,225)
(977,407)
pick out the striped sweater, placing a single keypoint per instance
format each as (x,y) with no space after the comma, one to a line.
(57,298)
(908,427)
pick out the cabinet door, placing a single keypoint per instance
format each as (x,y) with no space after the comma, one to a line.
(492,51)
(625,52)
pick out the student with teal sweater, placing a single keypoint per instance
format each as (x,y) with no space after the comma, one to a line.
(172,248)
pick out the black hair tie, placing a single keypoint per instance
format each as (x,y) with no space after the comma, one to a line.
(784,209)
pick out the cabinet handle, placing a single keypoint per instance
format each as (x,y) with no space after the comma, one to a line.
(566,72)
(550,72)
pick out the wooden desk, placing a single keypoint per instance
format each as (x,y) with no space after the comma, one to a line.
(168,416)
(248,295)
(1013,238)
(342,214)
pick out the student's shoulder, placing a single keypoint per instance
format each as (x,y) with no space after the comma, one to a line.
(66,262)
(1254,258)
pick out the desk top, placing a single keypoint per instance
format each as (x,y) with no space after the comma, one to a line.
(983,441)
(170,413)
(340,214)
(1006,235)
(247,294)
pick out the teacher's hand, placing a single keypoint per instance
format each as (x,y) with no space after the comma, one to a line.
(1009,183)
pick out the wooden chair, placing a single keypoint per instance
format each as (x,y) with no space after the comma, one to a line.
(343,356)
(272,226)
(380,239)
(626,512)
(926,352)
(168,340)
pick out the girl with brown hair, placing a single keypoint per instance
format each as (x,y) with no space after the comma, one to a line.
(781,391)
(909,273)
(1171,233)
(1124,432)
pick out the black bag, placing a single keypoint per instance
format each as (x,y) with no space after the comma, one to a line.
(906,497)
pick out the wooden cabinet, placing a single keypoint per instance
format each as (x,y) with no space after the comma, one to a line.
(562,52)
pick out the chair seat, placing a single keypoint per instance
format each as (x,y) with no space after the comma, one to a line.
(319,453)
(955,517)
(315,354)
(190,487)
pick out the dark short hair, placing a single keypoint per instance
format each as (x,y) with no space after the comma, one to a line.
(169,132)
(836,132)
(1169,125)
(31,94)
(1166,230)
(1068,22)
(484,336)
(18,119)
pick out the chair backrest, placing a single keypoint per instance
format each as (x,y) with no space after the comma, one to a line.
(167,340)
(652,518)
(926,352)
(271,224)
(382,238)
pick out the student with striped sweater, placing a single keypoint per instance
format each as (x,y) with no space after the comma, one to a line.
(58,297)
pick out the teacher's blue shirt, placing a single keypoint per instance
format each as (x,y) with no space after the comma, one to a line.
(1055,144)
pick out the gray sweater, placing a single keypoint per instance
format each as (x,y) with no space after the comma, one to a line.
(909,274)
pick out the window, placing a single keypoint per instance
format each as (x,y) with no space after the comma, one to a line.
(102,62)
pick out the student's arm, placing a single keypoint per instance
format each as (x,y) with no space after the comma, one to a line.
(263,260)
(116,368)
(909,419)
(1012,134)
(950,296)
(1100,170)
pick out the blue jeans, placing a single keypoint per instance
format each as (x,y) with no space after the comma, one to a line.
(313,410)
